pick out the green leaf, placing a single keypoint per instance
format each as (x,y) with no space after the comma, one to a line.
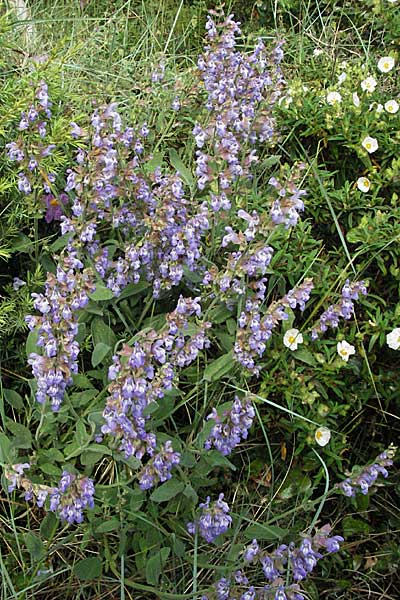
(81,381)
(167,490)
(31,342)
(93,453)
(81,435)
(156,161)
(191,493)
(50,469)
(216,459)
(353,526)
(155,565)
(35,546)
(265,532)
(102,333)
(13,398)
(88,568)
(183,171)
(48,526)
(99,449)
(99,353)
(6,450)
(305,356)
(220,314)
(101,294)
(22,243)
(219,367)
(52,455)
(106,526)
(132,289)
(61,242)
(83,398)
(22,436)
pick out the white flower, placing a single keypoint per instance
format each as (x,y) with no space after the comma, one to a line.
(370,144)
(393,339)
(391,106)
(379,108)
(368,84)
(322,436)
(317,52)
(285,101)
(342,77)
(363,184)
(333,98)
(345,350)
(385,64)
(292,339)
(356,99)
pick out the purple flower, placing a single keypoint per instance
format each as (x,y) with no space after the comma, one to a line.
(71,497)
(286,207)
(14,152)
(290,562)
(54,210)
(65,293)
(255,328)
(158,469)
(364,478)
(15,475)
(176,104)
(24,184)
(343,309)
(213,521)
(228,432)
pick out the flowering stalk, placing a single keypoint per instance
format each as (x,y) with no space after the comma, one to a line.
(69,499)
(31,150)
(232,428)
(364,478)
(241,91)
(343,309)
(65,294)
(255,328)
(282,569)
(140,375)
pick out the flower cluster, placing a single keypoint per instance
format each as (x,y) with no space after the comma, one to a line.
(160,231)
(169,235)
(343,309)
(213,521)
(31,150)
(141,374)
(285,563)
(255,328)
(69,499)
(286,207)
(241,91)
(72,495)
(65,293)
(232,428)
(158,468)
(363,478)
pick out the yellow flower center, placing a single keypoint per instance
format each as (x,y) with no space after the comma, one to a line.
(368,145)
(386,65)
(292,339)
(343,352)
(319,435)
